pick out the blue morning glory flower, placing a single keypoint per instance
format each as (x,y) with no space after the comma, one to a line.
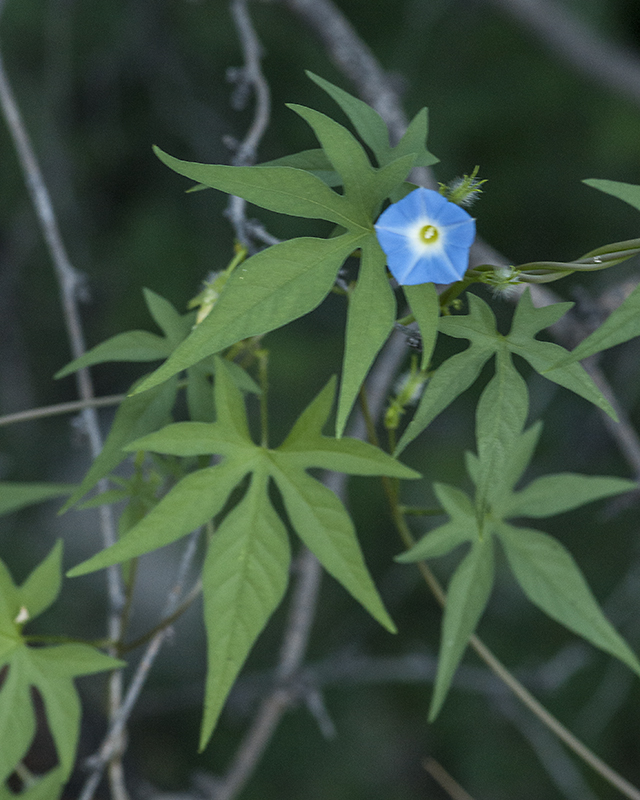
(426,238)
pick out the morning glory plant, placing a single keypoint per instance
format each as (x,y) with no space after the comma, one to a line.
(203,469)
(426,238)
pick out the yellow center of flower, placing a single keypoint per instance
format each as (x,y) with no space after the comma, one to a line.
(428,234)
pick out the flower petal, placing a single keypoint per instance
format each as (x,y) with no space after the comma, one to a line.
(411,259)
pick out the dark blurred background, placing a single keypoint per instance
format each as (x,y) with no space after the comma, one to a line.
(98,84)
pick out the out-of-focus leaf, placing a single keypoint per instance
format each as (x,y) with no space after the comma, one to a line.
(14,496)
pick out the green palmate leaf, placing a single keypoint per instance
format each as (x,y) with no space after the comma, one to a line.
(457,373)
(315,513)
(555,494)
(50,670)
(467,597)
(14,496)
(267,291)
(244,579)
(425,306)
(620,326)
(372,312)
(551,579)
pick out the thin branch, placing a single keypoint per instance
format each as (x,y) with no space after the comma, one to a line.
(614,67)
(69,281)
(112,740)
(249,79)
(554,725)
(61,408)
(442,777)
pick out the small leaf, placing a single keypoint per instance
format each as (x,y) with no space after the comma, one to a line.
(42,587)
(14,496)
(467,597)
(244,578)
(550,578)
(555,494)
(129,346)
(175,326)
